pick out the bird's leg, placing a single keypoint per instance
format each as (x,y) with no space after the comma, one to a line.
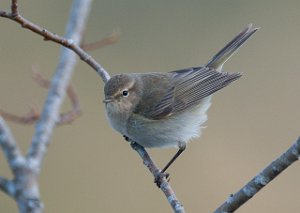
(162,173)
(181,149)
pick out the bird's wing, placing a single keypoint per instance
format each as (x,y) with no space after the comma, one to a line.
(186,89)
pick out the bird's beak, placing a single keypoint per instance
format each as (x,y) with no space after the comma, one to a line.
(107,100)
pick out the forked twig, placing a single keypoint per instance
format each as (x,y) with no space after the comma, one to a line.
(69,116)
(33,115)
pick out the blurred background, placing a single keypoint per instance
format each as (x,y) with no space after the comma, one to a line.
(90,168)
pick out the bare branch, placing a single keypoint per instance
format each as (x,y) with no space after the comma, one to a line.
(113,38)
(14,7)
(33,114)
(24,188)
(11,150)
(75,112)
(262,179)
(60,81)
(49,116)
(69,42)
(31,117)
(165,186)
(7,187)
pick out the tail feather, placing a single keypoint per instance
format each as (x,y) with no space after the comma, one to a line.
(224,54)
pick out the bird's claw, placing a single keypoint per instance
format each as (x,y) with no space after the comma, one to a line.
(160,178)
(126,138)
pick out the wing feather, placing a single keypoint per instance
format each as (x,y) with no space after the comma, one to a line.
(188,88)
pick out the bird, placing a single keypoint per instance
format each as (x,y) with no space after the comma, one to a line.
(168,109)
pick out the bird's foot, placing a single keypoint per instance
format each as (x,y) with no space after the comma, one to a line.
(126,138)
(159,179)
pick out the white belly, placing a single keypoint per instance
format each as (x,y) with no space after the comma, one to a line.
(170,132)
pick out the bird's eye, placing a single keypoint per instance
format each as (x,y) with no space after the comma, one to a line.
(125,93)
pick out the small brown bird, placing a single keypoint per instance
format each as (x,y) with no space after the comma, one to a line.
(167,109)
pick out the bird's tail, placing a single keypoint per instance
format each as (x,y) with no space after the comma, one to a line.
(224,54)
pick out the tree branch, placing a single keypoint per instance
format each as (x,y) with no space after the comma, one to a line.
(14,7)
(165,186)
(45,126)
(69,116)
(60,81)
(31,116)
(68,41)
(261,180)
(111,39)
(26,170)
(7,187)
(34,115)
(49,116)
(11,150)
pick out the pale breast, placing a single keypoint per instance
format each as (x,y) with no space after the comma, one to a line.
(170,132)
(116,119)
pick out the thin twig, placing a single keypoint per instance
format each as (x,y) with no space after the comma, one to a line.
(75,112)
(261,180)
(14,7)
(111,39)
(165,186)
(33,115)
(47,35)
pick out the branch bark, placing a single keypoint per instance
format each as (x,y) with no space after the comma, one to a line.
(165,186)
(7,186)
(60,81)
(261,180)
(69,42)
(24,187)
(9,147)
